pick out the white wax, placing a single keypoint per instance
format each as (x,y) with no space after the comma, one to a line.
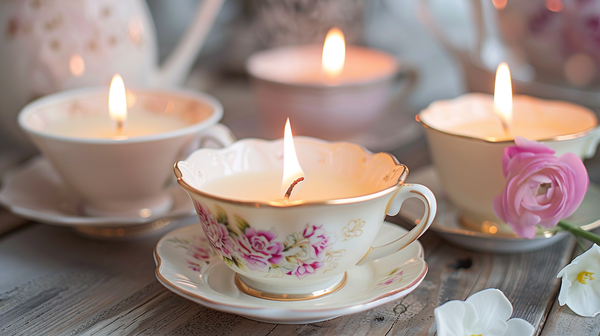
(302,65)
(98,126)
(472,115)
(265,186)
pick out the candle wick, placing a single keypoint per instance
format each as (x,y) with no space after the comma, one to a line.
(288,193)
(505,126)
(119,127)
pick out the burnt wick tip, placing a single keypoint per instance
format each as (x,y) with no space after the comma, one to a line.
(288,193)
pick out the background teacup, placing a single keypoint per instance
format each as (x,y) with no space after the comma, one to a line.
(289,79)
(55,45)
(301,249)
(127,176)
(470,168)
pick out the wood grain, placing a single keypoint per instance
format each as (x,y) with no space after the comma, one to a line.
(562,321)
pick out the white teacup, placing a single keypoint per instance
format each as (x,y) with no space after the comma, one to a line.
(127,176)
(301,249)
(470,168)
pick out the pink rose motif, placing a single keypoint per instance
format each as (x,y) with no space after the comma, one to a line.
(318,241)
(200,252)
(259,249)
(305,269)
(541,189)
(217,233)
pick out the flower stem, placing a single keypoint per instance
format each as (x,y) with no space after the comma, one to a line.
(579,243)
(579,232)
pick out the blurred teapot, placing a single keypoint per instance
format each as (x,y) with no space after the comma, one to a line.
(54,45)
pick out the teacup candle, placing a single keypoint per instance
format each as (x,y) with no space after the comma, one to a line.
(115,157)
(297,244)
(467,137)
(332,91)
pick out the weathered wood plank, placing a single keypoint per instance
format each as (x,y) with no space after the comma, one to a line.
(562,321)
(9,222)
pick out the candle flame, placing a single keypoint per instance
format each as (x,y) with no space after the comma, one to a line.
(117,101)
(499,4)
(503,96)
(291,166)
(334,54)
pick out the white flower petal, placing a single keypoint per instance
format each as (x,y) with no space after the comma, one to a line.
(449,318)
(496,328)
(491,305)
(519,327)
(471,320)
(564,291)
(583,299)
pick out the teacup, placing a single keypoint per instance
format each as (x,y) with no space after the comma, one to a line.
(299,249)
(470,168)
(289,79)
(121,176)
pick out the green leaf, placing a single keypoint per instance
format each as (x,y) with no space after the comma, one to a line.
(228,261)
(238,263)
(241,223)
(221,215)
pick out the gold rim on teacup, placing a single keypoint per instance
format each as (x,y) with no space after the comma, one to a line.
(494,140)
(349,200)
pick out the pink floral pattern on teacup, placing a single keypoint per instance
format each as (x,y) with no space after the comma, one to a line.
(241,246)
(259,249)
(216,232)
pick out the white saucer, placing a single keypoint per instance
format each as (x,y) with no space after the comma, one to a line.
(446,222)
(35,191)
(205,279)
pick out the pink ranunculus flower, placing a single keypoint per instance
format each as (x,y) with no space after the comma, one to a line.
(541,189)
(259,249)
(318,240)
(217,233)
(305,269)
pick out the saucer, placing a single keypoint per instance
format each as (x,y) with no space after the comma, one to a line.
(446,222)
(205,279)
(36,192)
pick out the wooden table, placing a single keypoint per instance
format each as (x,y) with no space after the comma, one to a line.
(53,281)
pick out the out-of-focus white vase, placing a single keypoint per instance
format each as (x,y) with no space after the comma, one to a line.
(53,45)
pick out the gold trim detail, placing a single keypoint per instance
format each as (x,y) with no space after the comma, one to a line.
(492,140)
(244,288)
(366,254)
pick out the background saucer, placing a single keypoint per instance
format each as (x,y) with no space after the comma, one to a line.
(208,281)
(446,222)
(35,191)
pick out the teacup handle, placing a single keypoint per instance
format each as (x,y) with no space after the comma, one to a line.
(406,191)
(218,133)
(405,81)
